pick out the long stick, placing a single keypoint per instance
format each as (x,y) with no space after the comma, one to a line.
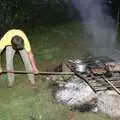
(85,79)
(40,73)
(111,84)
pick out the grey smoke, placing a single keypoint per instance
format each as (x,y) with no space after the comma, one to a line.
(100,25)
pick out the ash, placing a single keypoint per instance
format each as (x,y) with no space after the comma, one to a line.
(79,96)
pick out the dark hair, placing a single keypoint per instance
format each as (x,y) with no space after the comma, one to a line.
(17,43)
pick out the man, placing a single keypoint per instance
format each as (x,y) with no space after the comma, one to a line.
(16,40)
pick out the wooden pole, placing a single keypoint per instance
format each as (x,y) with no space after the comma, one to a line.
(40,73)
(111,84)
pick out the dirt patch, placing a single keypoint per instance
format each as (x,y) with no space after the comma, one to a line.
(49,65)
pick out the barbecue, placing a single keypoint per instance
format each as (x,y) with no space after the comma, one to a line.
(100,73)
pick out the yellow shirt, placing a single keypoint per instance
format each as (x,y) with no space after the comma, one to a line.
(6,39)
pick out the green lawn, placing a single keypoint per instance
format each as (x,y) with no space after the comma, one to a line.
(50,46)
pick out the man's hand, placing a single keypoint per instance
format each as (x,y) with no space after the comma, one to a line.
(32,61)
(35,71)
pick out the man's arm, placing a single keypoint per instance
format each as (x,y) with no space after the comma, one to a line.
(33,63)
(29,52)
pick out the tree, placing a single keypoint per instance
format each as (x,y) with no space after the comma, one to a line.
(22,13)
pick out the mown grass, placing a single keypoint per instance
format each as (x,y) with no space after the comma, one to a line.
(50,46)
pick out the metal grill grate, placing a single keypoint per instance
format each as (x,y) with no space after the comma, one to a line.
(99,83)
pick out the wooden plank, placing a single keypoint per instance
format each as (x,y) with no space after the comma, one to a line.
(41,73)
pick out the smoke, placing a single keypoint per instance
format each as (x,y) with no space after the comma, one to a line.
(100,25)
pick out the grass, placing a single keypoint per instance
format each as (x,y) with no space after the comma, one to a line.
(50,46)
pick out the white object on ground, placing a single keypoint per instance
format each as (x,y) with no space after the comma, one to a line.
(75,93)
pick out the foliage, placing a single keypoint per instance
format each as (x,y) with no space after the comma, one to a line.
(22,13)
(29,14)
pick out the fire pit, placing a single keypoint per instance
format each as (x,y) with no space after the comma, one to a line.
(94,79)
